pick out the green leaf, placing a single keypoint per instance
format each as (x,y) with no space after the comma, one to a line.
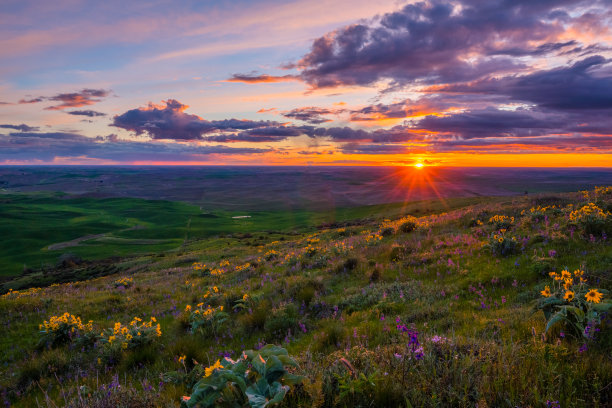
(557,318)
(274,369)
(277,392)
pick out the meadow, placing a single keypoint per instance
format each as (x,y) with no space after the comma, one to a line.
(488,302)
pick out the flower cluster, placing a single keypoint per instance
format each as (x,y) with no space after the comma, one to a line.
(341,248)
(500,244)
(413,346)
(217,272)
(405,224)
(587,212)
(18,294)
(206,318)
(501,221)
(199,266)
(571,302)
(125,282)
(66,320)
(132,335)
(244,267)
(62,329)
(271,254)
(373,238)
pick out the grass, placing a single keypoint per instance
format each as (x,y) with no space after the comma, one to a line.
(326,295)
(32,222)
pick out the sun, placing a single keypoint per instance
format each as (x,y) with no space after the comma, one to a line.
(419,165)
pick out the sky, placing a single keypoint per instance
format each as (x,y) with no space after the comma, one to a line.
(342,82)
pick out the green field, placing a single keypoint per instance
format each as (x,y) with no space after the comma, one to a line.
(31,223)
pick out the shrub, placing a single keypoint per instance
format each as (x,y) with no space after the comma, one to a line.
(501,222)
(571,304)
(257,379)
(408,226)
(502,245)
(62,329)
(131,336)
(592,219)
(206,319)
(125,282)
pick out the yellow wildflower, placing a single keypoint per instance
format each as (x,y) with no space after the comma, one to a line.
(593,296)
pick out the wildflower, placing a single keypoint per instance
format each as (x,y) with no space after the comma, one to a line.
(188,308)
(209,370)
(546,291)
(578,272)
(593,296)
(182,359)
(569,295)
(565,274)
(568,284)
(552,274)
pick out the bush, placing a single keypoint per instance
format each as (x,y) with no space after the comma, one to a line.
(408,226)
(62,329)
(257,379)
(502,245)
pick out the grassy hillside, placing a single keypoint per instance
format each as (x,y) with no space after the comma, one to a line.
(38,228)
(441,309)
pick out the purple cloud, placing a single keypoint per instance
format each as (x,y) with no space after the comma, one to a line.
(22,127)
(89,113)
(170,121)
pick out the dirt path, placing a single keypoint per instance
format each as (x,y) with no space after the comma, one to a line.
(77,241)
(74,242)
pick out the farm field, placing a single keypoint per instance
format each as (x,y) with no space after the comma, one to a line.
(481,301)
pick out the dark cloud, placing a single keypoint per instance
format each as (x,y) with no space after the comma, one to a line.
(47,147)
(260,78)
(77,99)
(33,100)
(577,87)
(355,148)
(491,123)
(431,42)
(313,115)
(90,113)
(84,97)
(264,134)
(170,121)
(22,127)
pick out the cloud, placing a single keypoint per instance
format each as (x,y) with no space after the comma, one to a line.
(89,113)
(311,114)
(431,42)
(22,127)
(170,121)
(33,100)
(77,99)
(84,97)
(47,146)
(585,85)
(260,78)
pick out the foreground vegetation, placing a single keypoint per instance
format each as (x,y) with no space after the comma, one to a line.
(498,303)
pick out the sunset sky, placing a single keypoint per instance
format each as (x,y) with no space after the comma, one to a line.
(343,82)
